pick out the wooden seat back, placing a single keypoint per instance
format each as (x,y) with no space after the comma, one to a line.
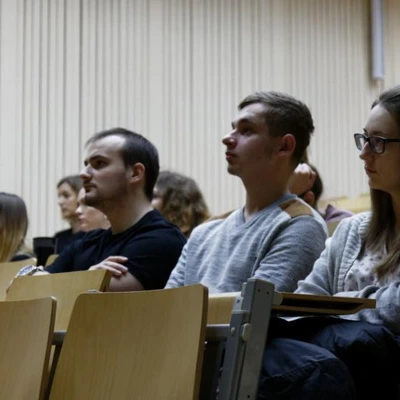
(134,345)
(8,270)
(50,259)
(220,307)
(65,287)
(26,330)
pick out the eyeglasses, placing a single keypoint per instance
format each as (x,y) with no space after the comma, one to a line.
(376,143)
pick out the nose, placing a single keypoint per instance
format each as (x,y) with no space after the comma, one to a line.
(229,140)
(85,173)
(366,151)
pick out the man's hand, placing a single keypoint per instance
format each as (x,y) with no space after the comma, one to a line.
(113,264)
(302,180)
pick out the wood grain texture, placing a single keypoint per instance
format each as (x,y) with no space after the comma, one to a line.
(8,270)
(220,305)
(26,329)
(134,345)
(65,287)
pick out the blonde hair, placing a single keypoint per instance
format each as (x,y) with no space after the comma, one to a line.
(183,202)
(13,225)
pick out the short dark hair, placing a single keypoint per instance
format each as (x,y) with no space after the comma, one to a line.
(135,149)
(74,181)
(285,114)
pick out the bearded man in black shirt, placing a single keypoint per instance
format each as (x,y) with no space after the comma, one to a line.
(141,248)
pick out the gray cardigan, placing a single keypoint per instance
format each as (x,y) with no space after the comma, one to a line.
(329,271)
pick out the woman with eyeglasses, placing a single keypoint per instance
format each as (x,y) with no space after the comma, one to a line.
(361,260)
(363,257)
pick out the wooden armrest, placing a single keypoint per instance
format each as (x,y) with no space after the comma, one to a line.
(300,304)
(220,305)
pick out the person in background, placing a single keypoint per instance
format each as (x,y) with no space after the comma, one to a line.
(306,183)
(67,192)
(89,217)
(13,228)
(180,201)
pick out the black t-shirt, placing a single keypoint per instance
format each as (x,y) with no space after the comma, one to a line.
(152,246)
(64,238)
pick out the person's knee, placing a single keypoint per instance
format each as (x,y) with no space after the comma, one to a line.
(294,369)
(357,341)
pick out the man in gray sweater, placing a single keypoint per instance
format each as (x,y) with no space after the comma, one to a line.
(275,236)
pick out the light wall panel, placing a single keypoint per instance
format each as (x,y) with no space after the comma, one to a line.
(175,70)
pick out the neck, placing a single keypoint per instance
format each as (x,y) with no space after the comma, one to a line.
(75,225)
(260,196)
(127,213)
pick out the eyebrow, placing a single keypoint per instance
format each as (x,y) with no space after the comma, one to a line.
(241,121)
(374,133)
(93,158)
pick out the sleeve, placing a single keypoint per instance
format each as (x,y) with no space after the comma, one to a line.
(65,261)
(320,280)
(152,257)
(292,253)
(177,277)
(387,311)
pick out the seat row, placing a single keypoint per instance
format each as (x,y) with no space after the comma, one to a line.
(133,345)
(165,344)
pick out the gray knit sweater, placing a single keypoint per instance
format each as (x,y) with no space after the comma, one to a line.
(279,244)
(328,275)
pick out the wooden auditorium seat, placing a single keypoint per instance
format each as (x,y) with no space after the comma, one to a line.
(236,331)
(133,345)
(50,259)
(65,287)
(245,318)
(8,270)
(26,331)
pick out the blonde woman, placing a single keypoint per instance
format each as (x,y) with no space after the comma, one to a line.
(180,201)
(13,227)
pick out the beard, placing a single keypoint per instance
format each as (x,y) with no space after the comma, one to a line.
(107,196)
(91,199)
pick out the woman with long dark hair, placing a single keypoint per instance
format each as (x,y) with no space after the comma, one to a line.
(357,356)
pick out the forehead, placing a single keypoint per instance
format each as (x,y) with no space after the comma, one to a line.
(110,146)
(65,187)
(254,113)
(380,120)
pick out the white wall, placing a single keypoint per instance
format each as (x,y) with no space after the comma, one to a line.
(174,70)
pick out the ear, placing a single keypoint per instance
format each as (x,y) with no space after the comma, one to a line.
(309,198)
(287,144)
(136,172)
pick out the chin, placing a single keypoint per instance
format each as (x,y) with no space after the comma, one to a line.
(374,185)
(91,201)
(232,171)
